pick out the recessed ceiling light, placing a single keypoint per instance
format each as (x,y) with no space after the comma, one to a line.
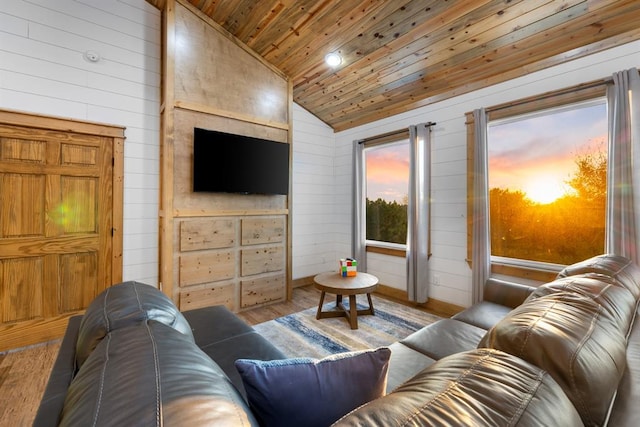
(333,59)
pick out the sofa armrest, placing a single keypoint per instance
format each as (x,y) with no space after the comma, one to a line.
(64,369)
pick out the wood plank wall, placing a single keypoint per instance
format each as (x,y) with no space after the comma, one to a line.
(217,248)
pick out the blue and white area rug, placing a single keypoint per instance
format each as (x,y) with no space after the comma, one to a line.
(302,335)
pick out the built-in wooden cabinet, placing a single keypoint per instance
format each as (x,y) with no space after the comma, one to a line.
(217,248)
(239,262)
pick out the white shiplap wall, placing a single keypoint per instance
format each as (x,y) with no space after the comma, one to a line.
(448,263)
(314,234)
(42,70)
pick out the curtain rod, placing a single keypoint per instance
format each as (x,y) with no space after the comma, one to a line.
(389,135)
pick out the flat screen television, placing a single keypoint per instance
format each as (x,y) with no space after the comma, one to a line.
(229,163)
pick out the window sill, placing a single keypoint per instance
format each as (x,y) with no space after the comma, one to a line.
(391,249)
(527,272)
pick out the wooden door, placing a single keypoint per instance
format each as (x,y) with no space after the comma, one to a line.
(56,224)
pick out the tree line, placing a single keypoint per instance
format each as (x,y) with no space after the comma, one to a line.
(565,231)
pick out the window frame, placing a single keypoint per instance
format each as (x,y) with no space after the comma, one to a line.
(377,246)
(509,267)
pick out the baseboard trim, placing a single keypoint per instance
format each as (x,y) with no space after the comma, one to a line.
(304,281)
(441,308)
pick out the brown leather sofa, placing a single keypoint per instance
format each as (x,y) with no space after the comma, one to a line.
(563,354)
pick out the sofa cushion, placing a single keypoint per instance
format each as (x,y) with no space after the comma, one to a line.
(154,375)
(484,314)
(405,362)
(618,267)
(444,337)
(249,345)
(574,339)
(225,337)
(308,392)
(124,305)
(476,388)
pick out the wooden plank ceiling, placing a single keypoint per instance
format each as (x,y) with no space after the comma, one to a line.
(402,54)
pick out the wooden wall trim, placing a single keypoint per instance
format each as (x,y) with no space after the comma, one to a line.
(230,115)
(523,273)
(438,307)
(401,253)
(117,221)
(165,261)
(289,242)
(304,281)
(178,213)
(22,118)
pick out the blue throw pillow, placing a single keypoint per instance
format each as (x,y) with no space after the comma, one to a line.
(311,392)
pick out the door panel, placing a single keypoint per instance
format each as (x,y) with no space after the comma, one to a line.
(22,214)
(79,284)
(78,209)
(21,292)
(56,227)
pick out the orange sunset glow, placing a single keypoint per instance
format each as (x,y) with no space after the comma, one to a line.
(537,155)
(387,169)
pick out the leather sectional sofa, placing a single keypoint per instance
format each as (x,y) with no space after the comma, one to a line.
(565,353)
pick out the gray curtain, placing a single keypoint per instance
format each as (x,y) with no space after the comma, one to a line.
(358,235)
(623,192)
(481,251)
(418,215)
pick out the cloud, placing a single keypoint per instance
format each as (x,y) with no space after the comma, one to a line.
(388,172)
(388,165)
(544,146)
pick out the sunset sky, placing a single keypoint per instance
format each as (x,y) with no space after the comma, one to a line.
(388,172)
(535,155)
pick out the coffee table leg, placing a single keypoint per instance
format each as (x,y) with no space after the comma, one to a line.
(370,305)
(353,312)
(320,305)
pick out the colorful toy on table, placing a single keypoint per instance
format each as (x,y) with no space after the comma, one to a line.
(348,267)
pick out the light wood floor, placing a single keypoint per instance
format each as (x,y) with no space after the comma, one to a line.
(24,373)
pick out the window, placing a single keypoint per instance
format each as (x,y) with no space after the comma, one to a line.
(547,172)
(387,189)
(547,184)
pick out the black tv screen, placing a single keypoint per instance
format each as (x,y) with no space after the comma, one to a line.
(229,163)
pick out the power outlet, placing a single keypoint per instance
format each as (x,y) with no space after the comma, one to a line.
(436,280)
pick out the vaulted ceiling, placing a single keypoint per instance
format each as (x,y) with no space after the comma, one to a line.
(402,54)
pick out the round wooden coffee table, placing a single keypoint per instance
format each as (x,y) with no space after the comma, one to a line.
(334,283)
